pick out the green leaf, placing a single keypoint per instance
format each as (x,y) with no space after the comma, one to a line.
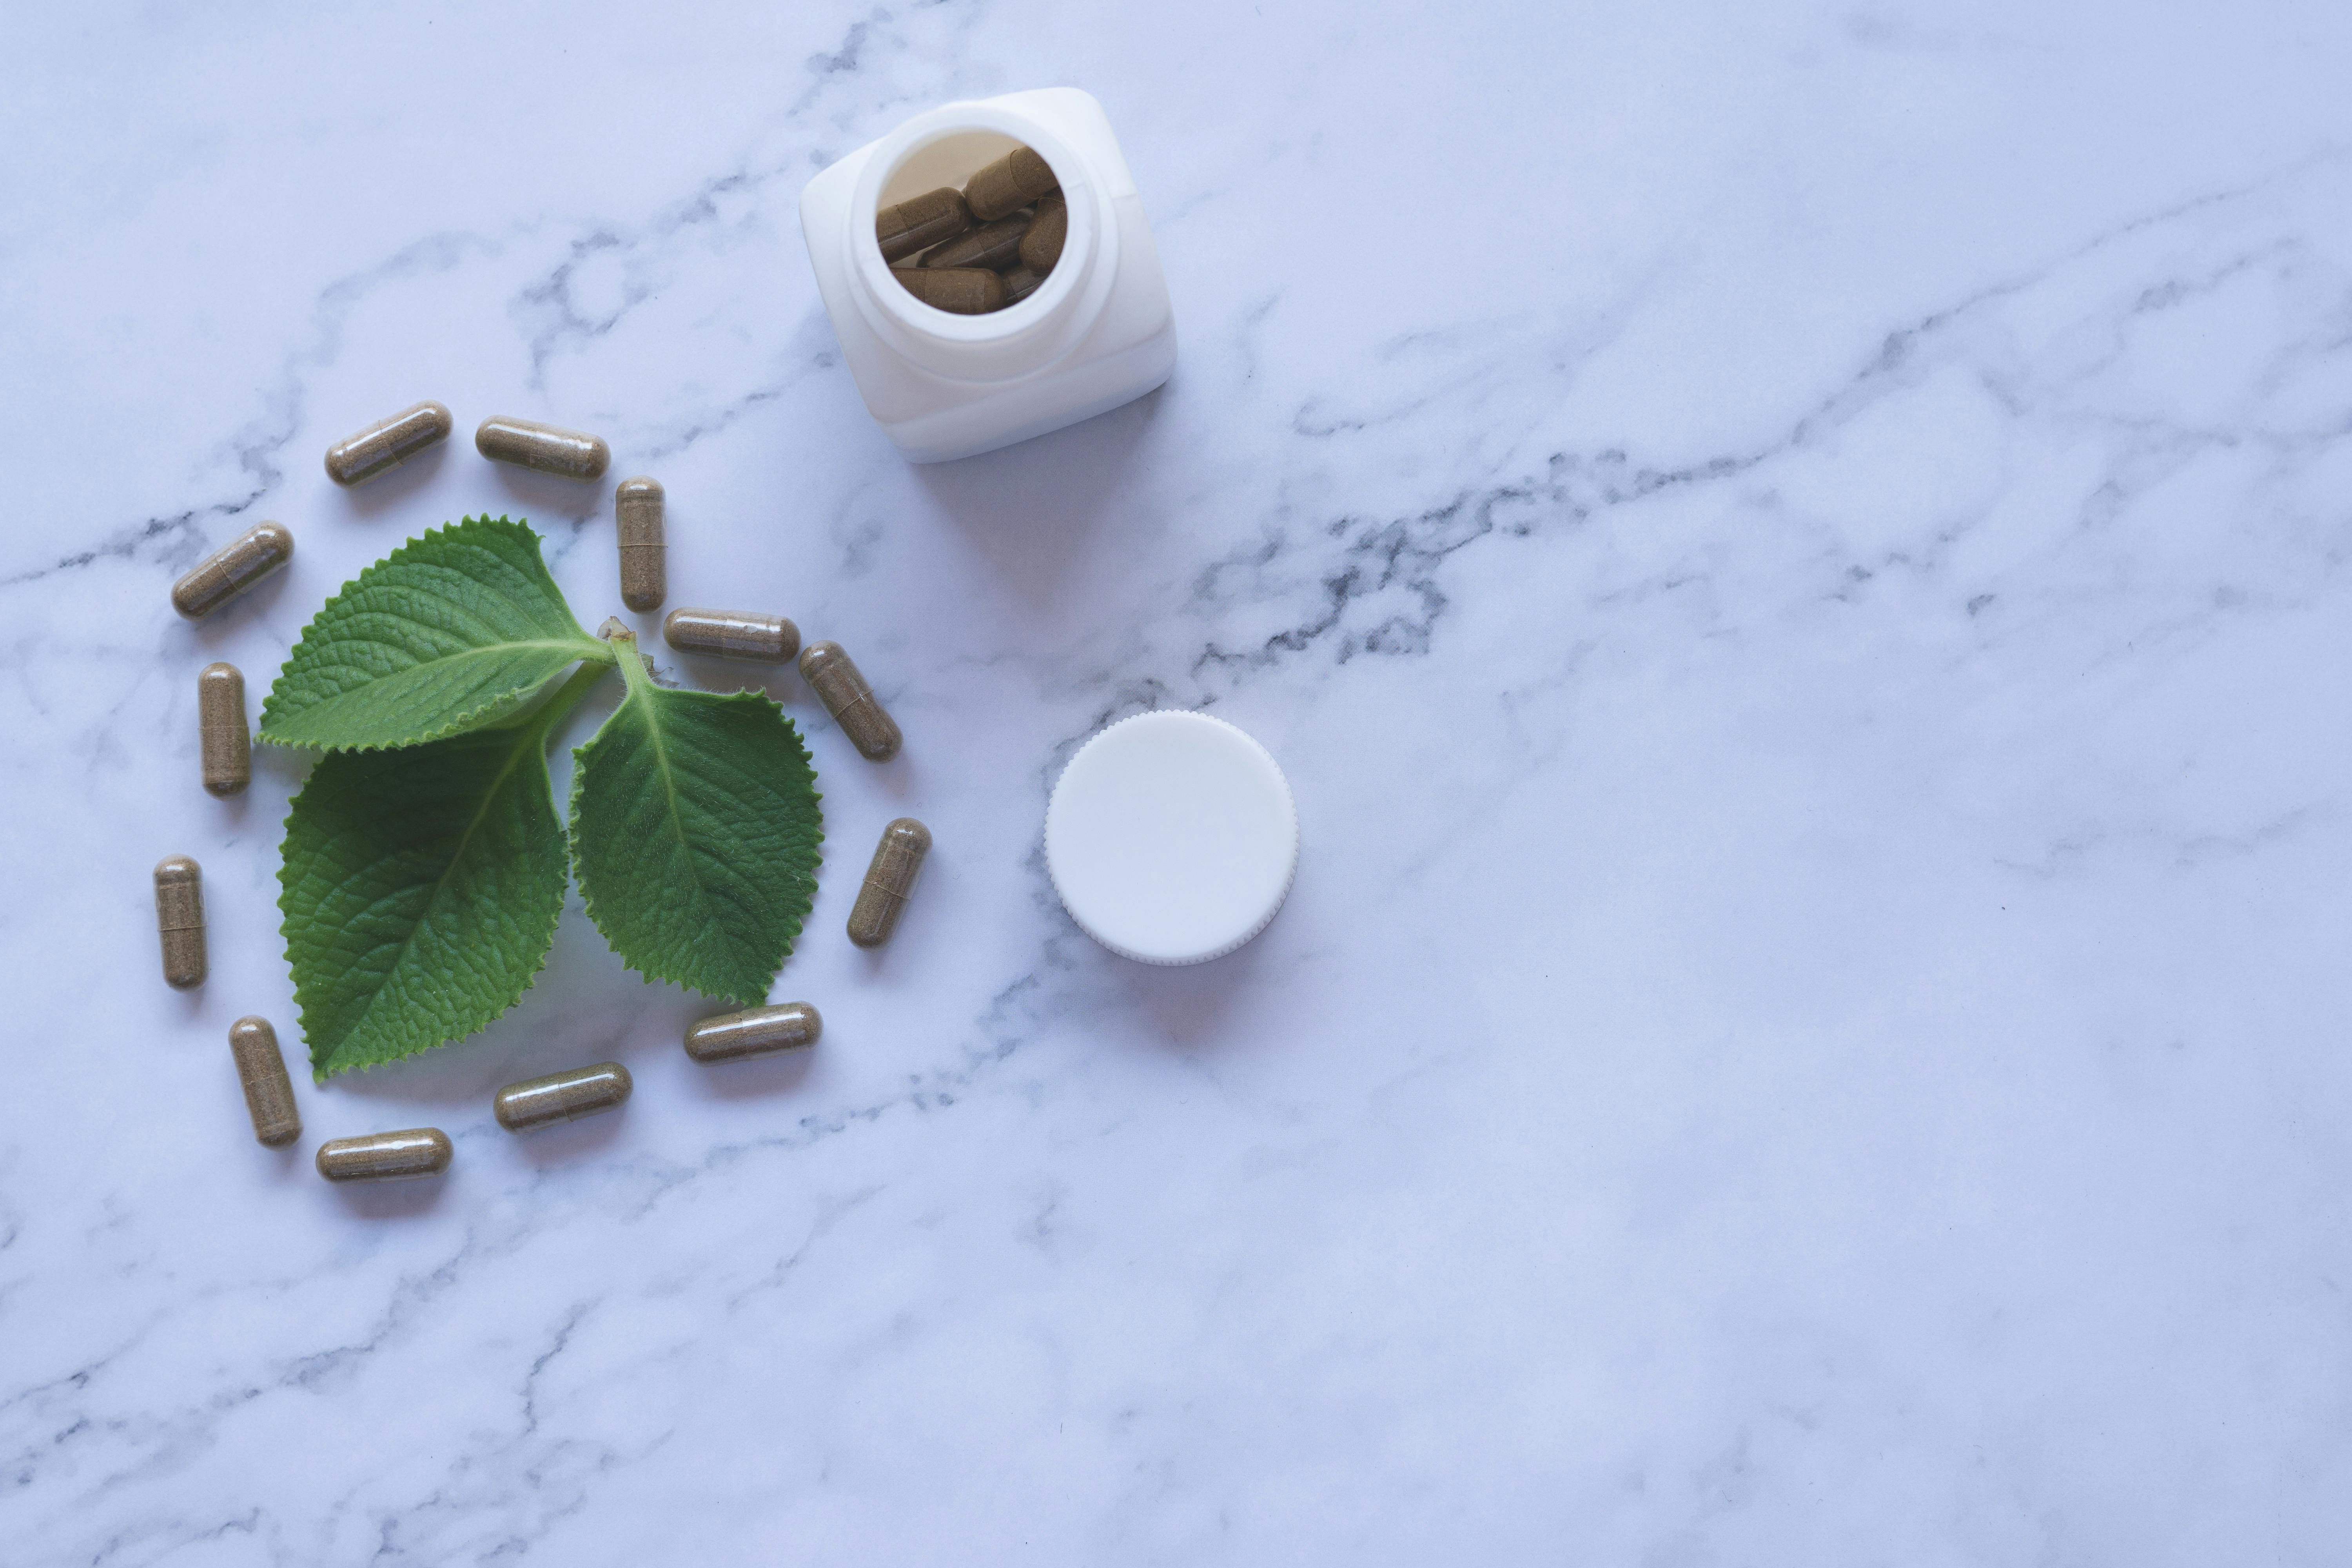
(420,889)
(695,829)
(452,631)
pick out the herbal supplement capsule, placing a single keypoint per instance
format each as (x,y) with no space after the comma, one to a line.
(1010,184)
(731,634)
(897,859)
(561,1096)
(850,700)
(1020,282)
(964,290)
(385,1156)
(268,1097)
(1041,245)
(730,1036)
(920,221)
(388,443)
(226,748)
(179,919)
(638,522)
(567,454)
(997,244)
(232,569)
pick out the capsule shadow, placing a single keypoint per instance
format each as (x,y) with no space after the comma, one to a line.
(755,1077)
(533,494)
(378,493)
(565,1142)
(391,1200)
(725,675)
(209,632)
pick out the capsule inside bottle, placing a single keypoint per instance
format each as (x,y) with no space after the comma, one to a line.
(920,221)
(993,246)
(1041,242)
(1010,184)
(959,290)
(730,1036)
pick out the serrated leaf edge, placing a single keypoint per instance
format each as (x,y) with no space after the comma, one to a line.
(542,721)
(475,718)
(572,839)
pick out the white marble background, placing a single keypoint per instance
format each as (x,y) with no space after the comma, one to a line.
(1795,555)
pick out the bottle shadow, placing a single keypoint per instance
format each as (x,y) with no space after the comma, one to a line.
(1031,508)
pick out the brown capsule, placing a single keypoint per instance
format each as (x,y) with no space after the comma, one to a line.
(730,1036)
(1020,282)
(1010,184)
(233,568)
(386,1156)
(561,1096)
(959,290)
(180,920)
(731,634)
(226,748)
(268,1095)
(921,221)
(1041,245)
(637,515)
(996,245)
(898,861)
(388,443)
(567,454)
(852,702)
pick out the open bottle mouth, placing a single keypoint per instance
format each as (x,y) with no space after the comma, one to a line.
(943,150)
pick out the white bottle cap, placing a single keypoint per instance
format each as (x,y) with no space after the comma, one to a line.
(1171,838)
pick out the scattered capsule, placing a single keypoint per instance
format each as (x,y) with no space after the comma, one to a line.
(226,748)
(637,515)
(960,291)
(732,1037)
(567,454)
(388,443)
(996,244)
(898,861)
(1041,245)
(180,920)
(268,1095)
(731,634)
(1010,184)
(852,702)
(921,221)
(385,1156)
(1020,282)
(233,568)
(561,1096)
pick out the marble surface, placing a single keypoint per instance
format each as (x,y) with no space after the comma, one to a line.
(1795,555)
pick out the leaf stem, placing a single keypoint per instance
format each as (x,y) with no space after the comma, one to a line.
(632,662)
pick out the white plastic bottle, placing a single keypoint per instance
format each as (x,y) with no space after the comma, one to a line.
(1096,333)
